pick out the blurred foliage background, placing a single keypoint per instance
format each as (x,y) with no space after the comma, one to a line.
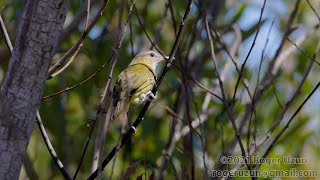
(67,116)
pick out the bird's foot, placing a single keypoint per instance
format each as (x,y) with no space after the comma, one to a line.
(133,128)
(151,96)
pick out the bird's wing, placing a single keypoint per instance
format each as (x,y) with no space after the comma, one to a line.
(134,80)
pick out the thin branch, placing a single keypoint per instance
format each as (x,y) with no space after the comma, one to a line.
(195,123)
(77,18)
(175,128)
(120,36)
(106,105)
(51,149)
(79,47)
(305,54)
(79,84)
(254,135)
(100,138)
(68,64)
(230,55)
(153,45)
(6,35)
(315,12)
(73,49)
(247,57)
(175,66)
(290,120)
(269,76)
(276,123)
(265,83)
(291,100)
(129,133)
(224,98)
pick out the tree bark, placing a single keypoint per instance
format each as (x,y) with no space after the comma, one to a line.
(21,91)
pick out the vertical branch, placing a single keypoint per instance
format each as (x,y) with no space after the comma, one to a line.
(105,105)
(115,53)
(224,98)
(256,88)
(129,133)
(175,129)
(247,57)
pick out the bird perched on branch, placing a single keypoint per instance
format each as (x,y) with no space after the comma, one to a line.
(134,84)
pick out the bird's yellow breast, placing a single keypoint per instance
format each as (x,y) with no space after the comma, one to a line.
(133,83)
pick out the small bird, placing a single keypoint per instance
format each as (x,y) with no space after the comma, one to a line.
(134,84)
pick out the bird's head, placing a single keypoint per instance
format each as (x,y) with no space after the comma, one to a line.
(151,58)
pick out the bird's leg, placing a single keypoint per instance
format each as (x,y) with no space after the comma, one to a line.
(129,122)
(129,119)
(151,96)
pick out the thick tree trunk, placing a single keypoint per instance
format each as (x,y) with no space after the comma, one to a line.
(20,94)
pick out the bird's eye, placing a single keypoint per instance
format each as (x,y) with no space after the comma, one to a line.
(151,54)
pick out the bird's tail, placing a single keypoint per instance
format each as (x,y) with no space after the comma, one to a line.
(120,111)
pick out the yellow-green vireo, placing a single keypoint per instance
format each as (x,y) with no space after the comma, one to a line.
(135,83)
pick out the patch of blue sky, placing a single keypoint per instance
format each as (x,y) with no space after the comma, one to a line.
(95,32)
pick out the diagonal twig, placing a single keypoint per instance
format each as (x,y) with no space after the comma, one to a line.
(74,48)
(129,133)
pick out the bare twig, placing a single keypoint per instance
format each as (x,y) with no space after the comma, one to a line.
(105,104)
(291,100)
(77,19)
(194,124)
(79,47)
(269,76)
(315,12)
(247,57)
(175,129)
(305,54)
(224,98)
(73,49)
(290,120)
(265,82)
(153,45)
(129,133)
(5,34)
(51,149)
(253,100)
(120,36)
(175,66)
(79,84)
(281,115)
